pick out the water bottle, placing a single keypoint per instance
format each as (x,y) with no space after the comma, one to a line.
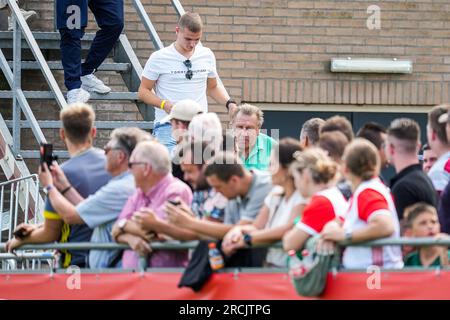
(296,268)
(215,258)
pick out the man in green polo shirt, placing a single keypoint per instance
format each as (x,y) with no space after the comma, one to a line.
(254,147)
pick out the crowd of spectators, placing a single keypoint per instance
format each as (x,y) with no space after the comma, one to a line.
(243,188)
(193,180)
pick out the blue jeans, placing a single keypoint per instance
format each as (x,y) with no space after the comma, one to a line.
(109,15)
(163,132)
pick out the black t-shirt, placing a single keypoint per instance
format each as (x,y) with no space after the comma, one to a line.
(444,209)
(412,185)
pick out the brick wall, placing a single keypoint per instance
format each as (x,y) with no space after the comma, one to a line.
(279,51)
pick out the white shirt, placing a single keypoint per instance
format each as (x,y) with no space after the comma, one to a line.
(280,210)
(370,199)
(166,66)
(440,172)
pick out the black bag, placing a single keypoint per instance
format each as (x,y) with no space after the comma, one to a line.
(198,269)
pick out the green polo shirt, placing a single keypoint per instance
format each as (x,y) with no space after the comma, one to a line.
(259,157)
(413,260)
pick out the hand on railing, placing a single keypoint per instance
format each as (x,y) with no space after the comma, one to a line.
(139,245)
(12,244)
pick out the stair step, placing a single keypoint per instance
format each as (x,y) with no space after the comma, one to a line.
(45,40)
(48,95)
(34,154)
(56,124)
(57,65)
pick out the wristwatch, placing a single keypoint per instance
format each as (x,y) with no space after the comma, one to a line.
(248,239)
(230,101)
(348,236)
(121,224)
(48,188)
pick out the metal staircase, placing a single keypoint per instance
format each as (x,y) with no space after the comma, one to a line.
(43,44)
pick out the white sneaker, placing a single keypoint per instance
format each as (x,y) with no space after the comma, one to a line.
(26,15)
(77,95)
(93,84)
(3,4)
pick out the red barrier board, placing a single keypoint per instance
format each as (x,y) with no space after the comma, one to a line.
(245,286)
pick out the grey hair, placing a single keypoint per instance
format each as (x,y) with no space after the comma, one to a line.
(248,110)
(157,156)
(206,127)
(311,129)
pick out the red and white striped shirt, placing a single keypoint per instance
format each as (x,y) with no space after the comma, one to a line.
(370,199)
(323,207)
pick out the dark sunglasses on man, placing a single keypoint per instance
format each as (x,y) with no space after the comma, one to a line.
(189,72)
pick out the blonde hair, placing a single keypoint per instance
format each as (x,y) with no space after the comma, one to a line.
(319,164)
(77,120)
(362,159)
(191,21)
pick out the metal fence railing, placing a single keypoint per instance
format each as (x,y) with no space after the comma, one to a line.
(17,205)
(181,246)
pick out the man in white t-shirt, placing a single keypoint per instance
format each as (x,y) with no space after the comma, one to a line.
(183,70)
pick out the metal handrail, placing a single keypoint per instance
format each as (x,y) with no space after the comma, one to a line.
(15,200)
(178,7)
(148,25)
(19,179)
(19,20)
(192,244)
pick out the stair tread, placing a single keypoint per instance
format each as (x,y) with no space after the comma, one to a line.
(45,35)
(57,65)
(115,95)
(100,124)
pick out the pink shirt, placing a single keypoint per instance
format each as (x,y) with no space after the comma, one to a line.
(168,188)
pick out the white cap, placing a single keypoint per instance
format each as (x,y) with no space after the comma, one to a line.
(443,118)
(183,110)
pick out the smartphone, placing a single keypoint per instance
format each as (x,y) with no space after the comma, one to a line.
(46,152)
(174,202)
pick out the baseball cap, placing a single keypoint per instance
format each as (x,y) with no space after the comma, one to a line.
(183,110)
(443,118)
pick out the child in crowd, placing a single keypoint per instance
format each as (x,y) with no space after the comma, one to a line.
(422,221)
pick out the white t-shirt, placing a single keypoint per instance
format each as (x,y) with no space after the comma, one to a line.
(440,172)
(280,210)
(167,67)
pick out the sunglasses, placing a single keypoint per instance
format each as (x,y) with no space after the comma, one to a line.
(131,164)
(189,72)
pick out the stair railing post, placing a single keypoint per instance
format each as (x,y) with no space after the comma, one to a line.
(17,78)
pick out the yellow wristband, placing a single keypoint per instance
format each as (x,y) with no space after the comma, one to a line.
(162,104)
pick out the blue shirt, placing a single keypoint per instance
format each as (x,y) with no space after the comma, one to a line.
(86,173)
(101,210)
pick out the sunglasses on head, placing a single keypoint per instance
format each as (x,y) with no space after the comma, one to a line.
(189,72)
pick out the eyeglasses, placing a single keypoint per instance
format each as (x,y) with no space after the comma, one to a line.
(189,72)
(131,164)
(107,149)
